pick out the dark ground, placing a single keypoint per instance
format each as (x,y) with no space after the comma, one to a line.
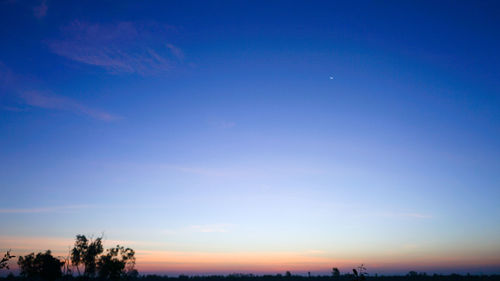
(279,277)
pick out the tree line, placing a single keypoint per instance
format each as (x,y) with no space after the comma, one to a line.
(87,259)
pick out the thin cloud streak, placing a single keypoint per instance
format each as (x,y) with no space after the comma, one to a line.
(406,215)
(211,228)
(6,75)
(222,124)
(16,85)
(51,101)
(57,244)
(235,171)
(177,52)
(124,47)
(40,11)
(415,215)
(41,210)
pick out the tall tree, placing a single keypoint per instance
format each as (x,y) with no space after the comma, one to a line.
(85,252)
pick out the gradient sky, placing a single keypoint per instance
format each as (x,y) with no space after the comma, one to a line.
(210,138)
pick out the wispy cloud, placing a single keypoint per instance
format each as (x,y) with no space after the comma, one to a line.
(222,124)
(13,108)
(176,51)
(41,209)
(219,122)
(202,171)
(21,244)
(40,11)
(48,100)
(239,170)
(6,75)
(414,215)
(124,47)
(200,228)
(316,252)
(211,228)
(22,97)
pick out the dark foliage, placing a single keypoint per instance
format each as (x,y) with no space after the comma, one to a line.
(116,263)
(4,261)
(280,277)
(343,277)
(40,266)
(335,273)
(360,273)
(85,252)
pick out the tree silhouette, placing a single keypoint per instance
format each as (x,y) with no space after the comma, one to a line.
(361,273)
(335,272)
(117,262)
(67,263)
(43,266)
(362,270)
(4,261)
(85,252)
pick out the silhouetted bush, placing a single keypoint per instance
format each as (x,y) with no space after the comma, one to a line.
(42,266)
(335,273)
(116,263)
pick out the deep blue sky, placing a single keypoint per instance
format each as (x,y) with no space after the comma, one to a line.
(205,130)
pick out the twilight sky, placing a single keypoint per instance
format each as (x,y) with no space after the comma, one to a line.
(210,138)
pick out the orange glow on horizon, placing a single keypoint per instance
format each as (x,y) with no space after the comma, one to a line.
(228,262)
(271,262)
(190,262)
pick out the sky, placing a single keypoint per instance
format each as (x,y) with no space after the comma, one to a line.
(254,136)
